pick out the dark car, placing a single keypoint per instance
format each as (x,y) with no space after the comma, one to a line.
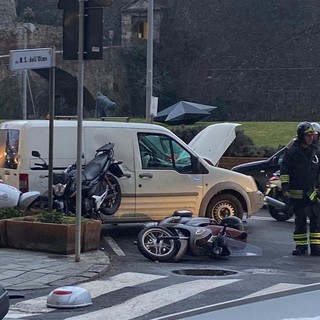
(262,170)
(4,302)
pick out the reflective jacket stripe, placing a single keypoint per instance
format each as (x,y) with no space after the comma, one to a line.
(295,194)
(284,178)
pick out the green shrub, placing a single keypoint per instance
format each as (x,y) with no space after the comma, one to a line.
(8,213)
(50,217)
(58,218)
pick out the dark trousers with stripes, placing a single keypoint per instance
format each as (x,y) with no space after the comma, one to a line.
(300,235)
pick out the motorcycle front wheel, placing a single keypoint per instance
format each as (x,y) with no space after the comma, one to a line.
(155,244)
(278,214)
(112,201)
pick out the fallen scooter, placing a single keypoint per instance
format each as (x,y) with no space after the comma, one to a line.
(180,235)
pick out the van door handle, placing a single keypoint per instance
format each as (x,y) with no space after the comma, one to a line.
(145,175)
(7,173)
(126,175)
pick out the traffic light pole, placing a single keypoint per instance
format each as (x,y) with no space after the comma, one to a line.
(79,132)
(149,81)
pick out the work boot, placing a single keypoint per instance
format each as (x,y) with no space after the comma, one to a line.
(300,251)
(315,250)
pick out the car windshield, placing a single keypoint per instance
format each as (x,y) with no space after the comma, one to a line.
(161,152)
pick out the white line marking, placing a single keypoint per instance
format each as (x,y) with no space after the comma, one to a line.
(150,301)
(186,312)
(114,246)
(276,288)
(96,289)
(266,219)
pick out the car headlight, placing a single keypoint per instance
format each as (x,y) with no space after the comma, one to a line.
(59,189)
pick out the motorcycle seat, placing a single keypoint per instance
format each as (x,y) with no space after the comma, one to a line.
(94,167)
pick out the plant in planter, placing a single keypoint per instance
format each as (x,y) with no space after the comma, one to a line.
(7,213)
(52,232)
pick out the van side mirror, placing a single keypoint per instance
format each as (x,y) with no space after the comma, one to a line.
(35,154)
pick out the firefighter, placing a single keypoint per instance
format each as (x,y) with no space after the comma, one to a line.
(316,138)
(299,174)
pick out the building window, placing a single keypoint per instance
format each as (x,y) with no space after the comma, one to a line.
(140,30)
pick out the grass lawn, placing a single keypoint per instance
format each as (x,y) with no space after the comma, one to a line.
(273,134)
(269,133)
(262,133)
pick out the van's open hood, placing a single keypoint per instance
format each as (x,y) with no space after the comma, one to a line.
(212,142)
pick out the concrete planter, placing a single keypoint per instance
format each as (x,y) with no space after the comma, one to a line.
(3,234)
(26,234)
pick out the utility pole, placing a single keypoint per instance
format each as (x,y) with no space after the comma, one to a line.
(149,81)
(79,134)
(27,27)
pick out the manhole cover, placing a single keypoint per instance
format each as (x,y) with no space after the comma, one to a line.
(204,272)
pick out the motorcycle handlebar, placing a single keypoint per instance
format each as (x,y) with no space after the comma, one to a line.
(44,165)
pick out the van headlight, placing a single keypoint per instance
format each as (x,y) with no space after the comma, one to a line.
(59,189)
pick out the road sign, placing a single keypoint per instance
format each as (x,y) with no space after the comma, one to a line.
(31,59)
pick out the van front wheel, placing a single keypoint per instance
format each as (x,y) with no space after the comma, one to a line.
(224,205)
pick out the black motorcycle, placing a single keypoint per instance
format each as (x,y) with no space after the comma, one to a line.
(180,235)
(274,199)
(101,193)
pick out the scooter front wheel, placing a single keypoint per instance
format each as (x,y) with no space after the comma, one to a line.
(156,244)
(39,205)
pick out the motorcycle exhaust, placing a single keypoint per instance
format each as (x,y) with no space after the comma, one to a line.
(274,202)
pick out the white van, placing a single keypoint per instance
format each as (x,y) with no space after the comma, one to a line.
(161,173)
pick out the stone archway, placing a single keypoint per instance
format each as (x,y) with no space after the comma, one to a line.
(67,92)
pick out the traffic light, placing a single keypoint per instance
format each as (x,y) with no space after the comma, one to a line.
(93,28)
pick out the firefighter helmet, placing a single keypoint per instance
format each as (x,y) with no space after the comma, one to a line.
(302,129)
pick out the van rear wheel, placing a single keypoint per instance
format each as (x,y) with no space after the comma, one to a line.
(224,205)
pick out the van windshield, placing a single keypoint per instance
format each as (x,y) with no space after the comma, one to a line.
(9,148)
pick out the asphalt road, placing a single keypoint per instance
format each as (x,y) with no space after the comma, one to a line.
(136,288)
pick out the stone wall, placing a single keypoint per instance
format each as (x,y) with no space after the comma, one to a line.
(255,60)
(8,13)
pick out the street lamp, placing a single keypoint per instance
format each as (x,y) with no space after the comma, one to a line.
(27,27)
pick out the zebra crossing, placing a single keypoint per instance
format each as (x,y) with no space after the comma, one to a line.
(137,306)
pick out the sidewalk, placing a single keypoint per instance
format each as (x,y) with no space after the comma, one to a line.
(24,269)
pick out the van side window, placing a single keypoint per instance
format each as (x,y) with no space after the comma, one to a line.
(9,148)
(162,152)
